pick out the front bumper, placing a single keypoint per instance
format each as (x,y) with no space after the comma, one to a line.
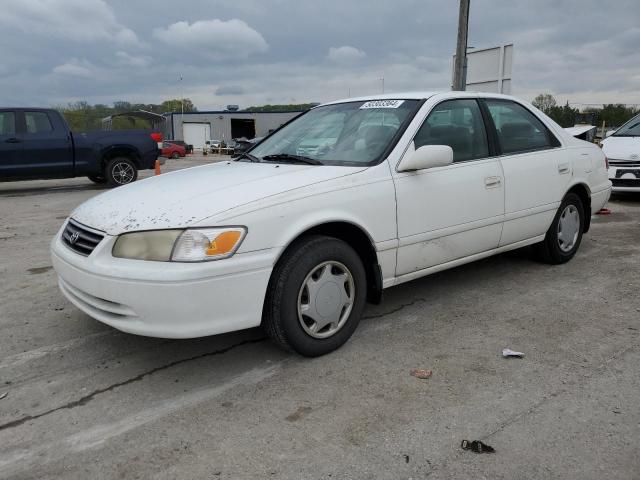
(164,299)
(625,178)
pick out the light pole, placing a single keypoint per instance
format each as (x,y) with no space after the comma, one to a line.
(459,79)
(182,106)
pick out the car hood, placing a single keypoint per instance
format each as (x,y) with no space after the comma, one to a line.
(622,148)
(183,198)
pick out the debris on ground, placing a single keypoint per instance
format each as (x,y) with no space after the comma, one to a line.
(507,352)
(603,211)
(476,446)
(419,373)
(3,395)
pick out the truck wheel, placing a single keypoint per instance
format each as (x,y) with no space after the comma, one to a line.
(97,179)
(120,171)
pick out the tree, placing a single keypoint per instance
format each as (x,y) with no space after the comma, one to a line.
(564,116)
(544,102)
(175,105)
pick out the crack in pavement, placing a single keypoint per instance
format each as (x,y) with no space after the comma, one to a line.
(397,309)
(89,397)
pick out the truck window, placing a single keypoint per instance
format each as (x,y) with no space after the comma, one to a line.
(7,123)
(37,122)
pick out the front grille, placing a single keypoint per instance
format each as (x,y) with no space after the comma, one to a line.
(623,163)
(625,182)
(79,238)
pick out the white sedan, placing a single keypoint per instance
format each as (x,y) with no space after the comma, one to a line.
(399,187)
(622,148)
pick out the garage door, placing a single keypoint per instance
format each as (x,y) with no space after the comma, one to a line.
(197,134)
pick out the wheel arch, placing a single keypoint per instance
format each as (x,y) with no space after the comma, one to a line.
(119,151)
(357,238)
(584,192)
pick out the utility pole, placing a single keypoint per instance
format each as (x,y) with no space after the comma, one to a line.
(182,106)
(459,80)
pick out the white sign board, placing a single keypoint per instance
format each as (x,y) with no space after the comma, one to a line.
(489,69)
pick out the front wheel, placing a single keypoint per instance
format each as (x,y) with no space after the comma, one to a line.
(565,233)
(175,155)
(121,171)
(316,296)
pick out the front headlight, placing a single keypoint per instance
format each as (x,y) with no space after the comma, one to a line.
(190,245)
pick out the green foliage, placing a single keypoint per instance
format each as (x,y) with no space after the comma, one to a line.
(84,117)
(291,107)
(175,105)
(564,116)
(612,115)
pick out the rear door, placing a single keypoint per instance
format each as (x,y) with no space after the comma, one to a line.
(537,170)
(10,145)
(48,150)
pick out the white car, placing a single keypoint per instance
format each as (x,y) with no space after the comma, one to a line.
(622,149)
(411,184)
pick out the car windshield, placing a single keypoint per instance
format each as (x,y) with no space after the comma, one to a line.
(629,129)
(349,134)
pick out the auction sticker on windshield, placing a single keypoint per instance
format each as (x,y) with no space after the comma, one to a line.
(382,104)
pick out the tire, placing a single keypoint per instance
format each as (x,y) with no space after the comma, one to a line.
(319,262)
(175,155)
(97,179)
(120,171)
(563,237)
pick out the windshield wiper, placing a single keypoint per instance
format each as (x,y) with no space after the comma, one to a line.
(287,158)
(248,156)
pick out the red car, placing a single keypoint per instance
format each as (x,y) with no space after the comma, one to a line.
(171,150)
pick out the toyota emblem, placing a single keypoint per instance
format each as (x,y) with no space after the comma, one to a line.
(74,238)
(634,156)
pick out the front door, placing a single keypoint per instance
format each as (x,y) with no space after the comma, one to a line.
(451,212)
(48,151)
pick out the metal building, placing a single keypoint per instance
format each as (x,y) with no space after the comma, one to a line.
(196,128)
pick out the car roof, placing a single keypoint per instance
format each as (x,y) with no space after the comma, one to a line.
(422,96)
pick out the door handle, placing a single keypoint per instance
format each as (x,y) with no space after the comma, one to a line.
(13,140)
(563,168)
(492,182)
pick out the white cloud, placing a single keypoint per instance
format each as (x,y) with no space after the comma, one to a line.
(127,60)
(345,54)
(76,20)
(75,68)
(214,38)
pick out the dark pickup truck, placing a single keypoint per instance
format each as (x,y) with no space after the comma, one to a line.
(36,143)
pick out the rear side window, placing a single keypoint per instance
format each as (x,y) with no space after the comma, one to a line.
(37,122)
(459,124)
(518,129)
(7,123)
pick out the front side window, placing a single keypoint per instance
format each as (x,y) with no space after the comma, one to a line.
(518,129)
(349,134)
(459,124)
(7,123)
(37,122)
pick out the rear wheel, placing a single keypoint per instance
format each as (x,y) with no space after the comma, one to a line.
(565,233)
(120,171)
(316,296)
(175,155)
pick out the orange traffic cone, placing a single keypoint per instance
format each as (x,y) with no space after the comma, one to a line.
(157,167)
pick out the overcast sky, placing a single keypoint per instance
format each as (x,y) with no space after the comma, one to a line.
(251,52)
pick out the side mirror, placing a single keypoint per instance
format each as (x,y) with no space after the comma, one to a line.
(427,156)
(609,133)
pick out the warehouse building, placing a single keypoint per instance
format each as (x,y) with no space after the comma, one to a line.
(196,128)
